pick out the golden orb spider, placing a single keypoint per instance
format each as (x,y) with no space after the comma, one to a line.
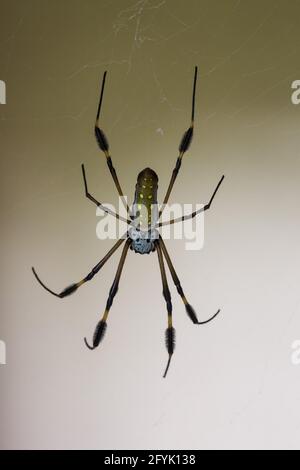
(142,241)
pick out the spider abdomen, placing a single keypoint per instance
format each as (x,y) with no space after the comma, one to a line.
(145,211)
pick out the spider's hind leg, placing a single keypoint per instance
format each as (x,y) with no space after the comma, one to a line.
(104,147)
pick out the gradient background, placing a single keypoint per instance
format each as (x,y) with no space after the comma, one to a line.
(231,384)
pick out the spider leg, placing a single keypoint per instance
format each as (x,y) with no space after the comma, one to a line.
(102,325)
(189,309)
(104,146)
(183,147)
(170,331)
(194,214)
(98,204)
(73,287)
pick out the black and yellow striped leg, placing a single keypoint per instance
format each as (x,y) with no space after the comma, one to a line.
(101,327)
(170,331)
(183,147)
(189,309)
(194,214)
(104,146)
(97,203)
(73,287)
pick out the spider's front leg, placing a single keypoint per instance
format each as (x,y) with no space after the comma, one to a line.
(102,325)
(170,331)
(189,309)
(73,287)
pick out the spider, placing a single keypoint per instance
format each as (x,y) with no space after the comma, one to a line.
(143,235)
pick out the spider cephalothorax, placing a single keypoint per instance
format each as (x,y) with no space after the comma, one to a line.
(143,241)
(143,231)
